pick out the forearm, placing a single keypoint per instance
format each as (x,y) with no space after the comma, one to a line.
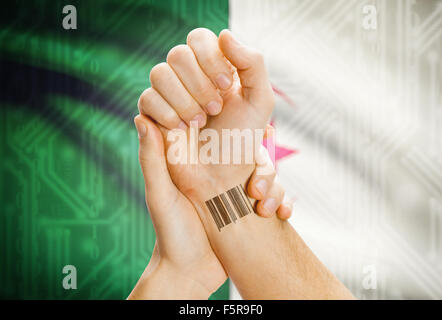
(267,259)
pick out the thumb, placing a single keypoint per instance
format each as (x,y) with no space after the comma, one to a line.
(249,64)
(159,186)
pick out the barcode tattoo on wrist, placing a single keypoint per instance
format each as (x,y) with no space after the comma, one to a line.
(229,206)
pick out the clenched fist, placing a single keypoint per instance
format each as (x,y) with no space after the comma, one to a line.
(219,84)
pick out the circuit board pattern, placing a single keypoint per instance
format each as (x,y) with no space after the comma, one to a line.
(366,118)
(71,188)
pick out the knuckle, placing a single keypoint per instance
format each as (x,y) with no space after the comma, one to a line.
(178,53)
(213,61)
(199,88)
(158,71)
(214,66)
(140,103)
(199,34)
(137,117)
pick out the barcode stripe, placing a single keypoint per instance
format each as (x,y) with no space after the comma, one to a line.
(214,214)
(243,194)
(218,214)
(228,207)
(234,201)
(221,210)
(240,200)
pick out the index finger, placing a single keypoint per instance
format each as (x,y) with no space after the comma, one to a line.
(204,44)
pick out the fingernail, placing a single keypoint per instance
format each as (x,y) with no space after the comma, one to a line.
(261,186)
(182,125)
(270,205)
(201,119)
(213,108)
(223,81)
(141,128)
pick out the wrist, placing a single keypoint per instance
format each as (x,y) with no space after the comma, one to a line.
(229,200)
(215,180)
(166,282)
(185,285)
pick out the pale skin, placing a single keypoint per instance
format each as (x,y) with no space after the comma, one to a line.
(183,264)
(221,84)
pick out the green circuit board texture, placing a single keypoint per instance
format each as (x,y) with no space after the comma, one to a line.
(71,188)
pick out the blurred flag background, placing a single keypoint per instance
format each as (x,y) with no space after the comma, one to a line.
(362,105)
(358,126)
(71,188)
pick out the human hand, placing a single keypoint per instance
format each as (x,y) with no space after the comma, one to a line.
(183,264)
(204,77)
(265,258)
